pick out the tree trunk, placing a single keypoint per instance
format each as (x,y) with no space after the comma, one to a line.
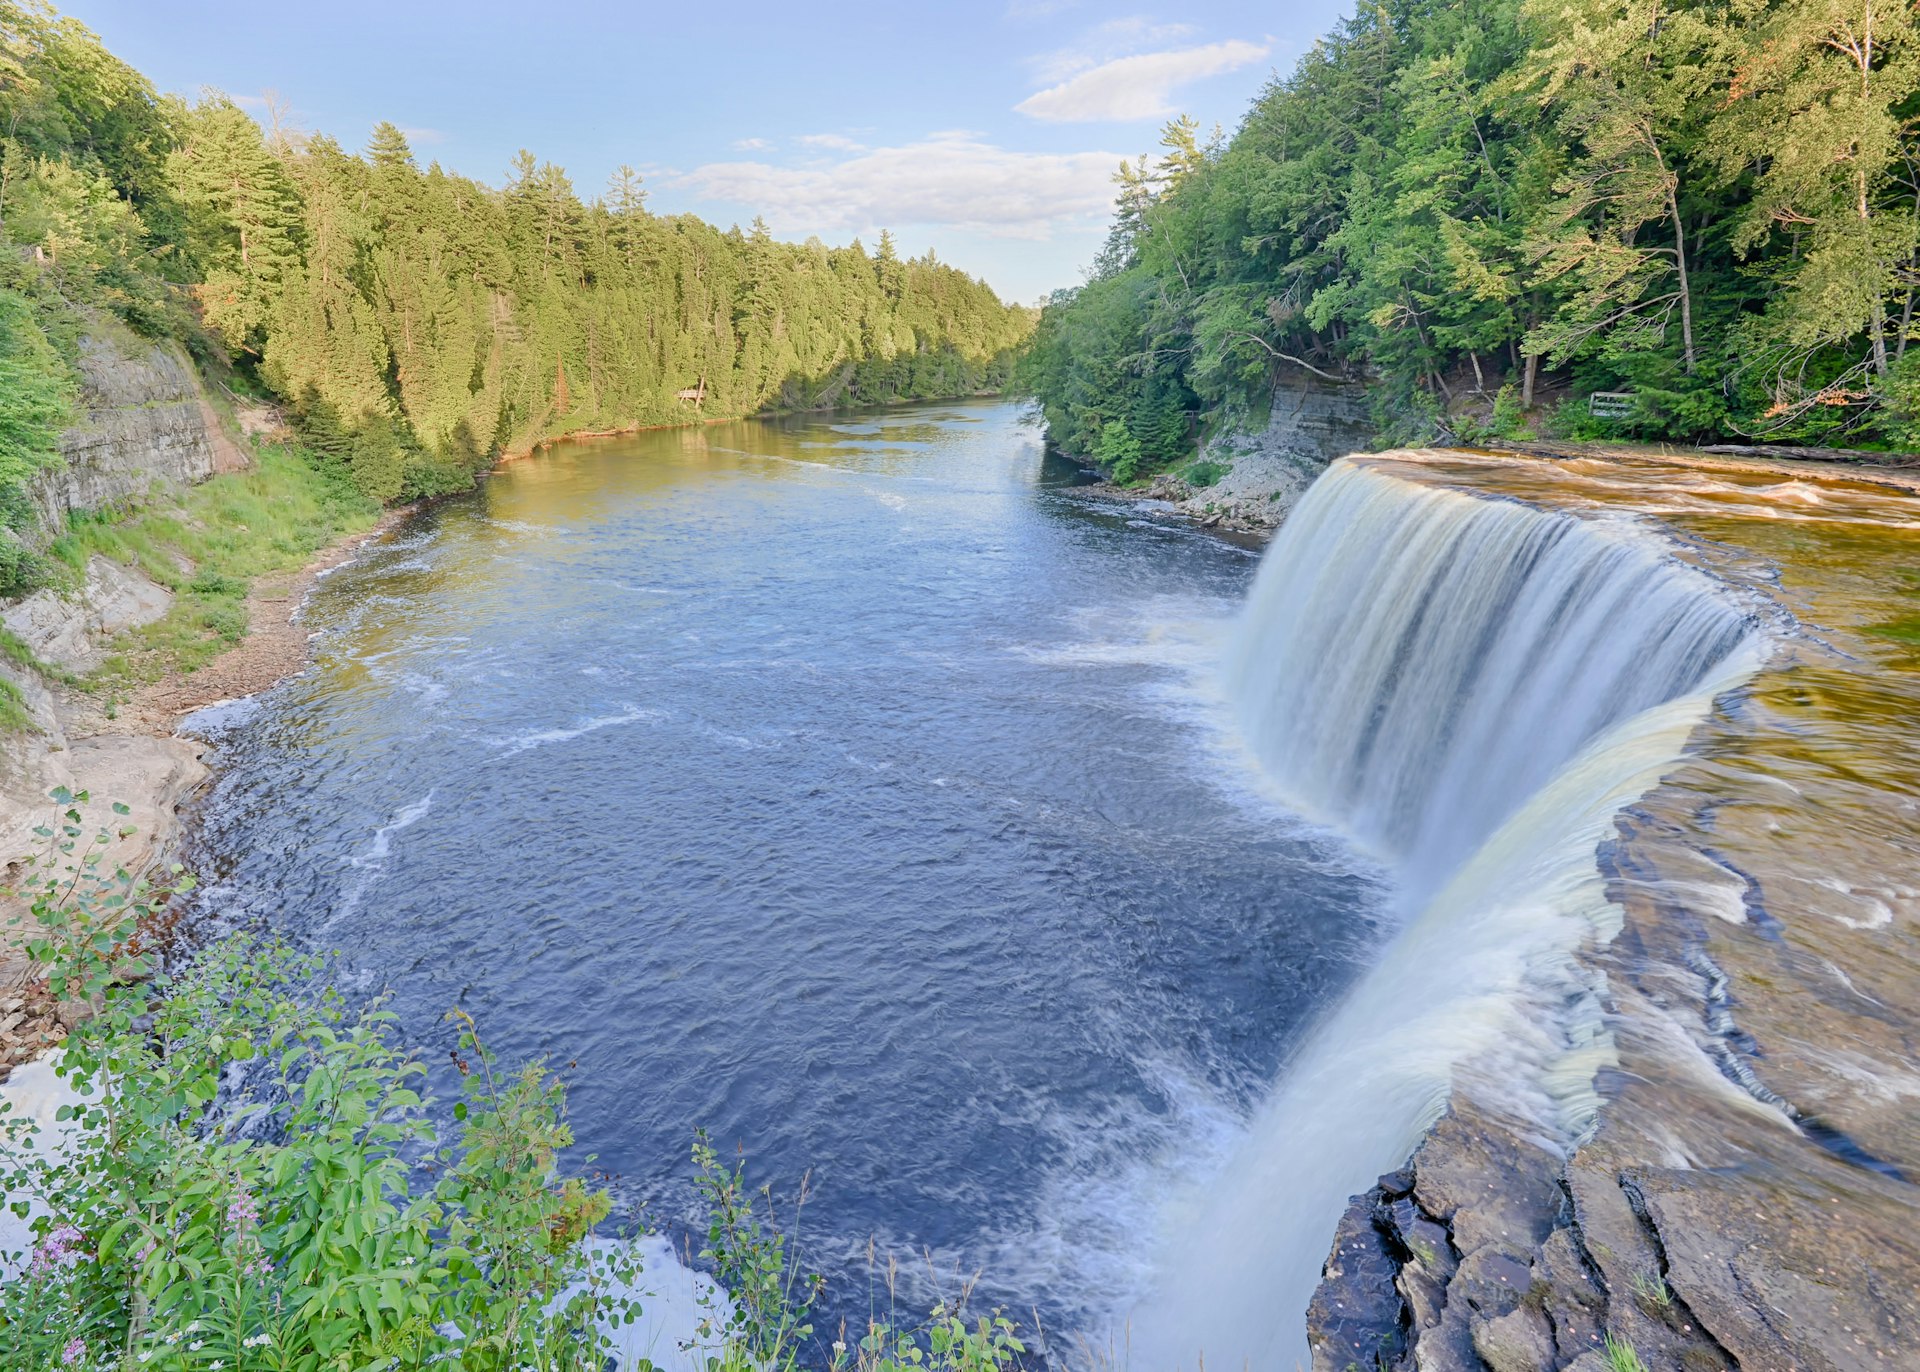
(1526,385)
(1680,259)
(1879,298)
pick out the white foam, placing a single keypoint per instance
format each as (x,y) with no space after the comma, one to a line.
(675,1302)
(371,862)
(541,738)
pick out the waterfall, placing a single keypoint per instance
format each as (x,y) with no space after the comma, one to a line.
(1472,688)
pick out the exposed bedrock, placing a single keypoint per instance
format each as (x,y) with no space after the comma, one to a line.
(145,420)
(1741,1190)
(1746,1197)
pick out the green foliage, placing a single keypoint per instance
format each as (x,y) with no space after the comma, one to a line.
(1621,1356)
(766,1318)
(419,323)
(1710,205)
(1204,474)
(1118,451)
(254,1181)
(1509,420)
(36,403)
(307,1217)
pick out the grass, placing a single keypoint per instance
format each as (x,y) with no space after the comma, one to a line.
(1652,1289)
(1621,1357)
(207,545)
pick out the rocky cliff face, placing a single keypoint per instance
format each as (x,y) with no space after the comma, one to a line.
(1270,466)
(146,421)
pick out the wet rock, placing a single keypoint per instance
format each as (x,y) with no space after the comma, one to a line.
(1396,1184)
(1426,1239)
(1518,1341)
(1568,1290)
(1491,1188)
(1493,1282)
(1761,1264)
(1357,1318)
(1426,1298)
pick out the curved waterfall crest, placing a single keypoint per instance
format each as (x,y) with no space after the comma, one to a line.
(1416,662)
(1473,687)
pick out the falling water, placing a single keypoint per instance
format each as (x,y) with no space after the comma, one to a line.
(1473,687)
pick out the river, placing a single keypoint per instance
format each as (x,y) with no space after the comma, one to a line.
(847,787)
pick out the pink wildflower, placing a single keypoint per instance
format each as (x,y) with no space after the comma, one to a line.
(75,1350)
(60,1248)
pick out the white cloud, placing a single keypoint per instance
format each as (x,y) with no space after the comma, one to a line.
(414,135)
(1102,43)
(752,144)
(833,141)
(951,180)
(1137,87)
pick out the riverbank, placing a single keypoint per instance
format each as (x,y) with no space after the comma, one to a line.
(129,751)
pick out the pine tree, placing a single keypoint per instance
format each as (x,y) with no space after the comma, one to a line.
(242,217)
(388,147)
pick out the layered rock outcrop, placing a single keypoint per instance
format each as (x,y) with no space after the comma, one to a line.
(1266,467)
(146,420)
(1748,1193)
(148,426)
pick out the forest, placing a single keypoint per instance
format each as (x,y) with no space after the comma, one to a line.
(1489,211)
(416,323)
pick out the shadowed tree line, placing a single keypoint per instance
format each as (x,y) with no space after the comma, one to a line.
(418,322)
(1480,207)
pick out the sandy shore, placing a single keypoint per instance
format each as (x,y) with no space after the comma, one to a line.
(276,645)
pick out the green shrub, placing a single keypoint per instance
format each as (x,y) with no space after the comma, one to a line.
(309,1218)
(36,399)
(425,477)
(1205,473)
(22,570)
(1118,451)
(1509,419)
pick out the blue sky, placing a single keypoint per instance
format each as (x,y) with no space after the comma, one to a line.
(988,132)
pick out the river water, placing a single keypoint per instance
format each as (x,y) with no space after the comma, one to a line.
(850,788)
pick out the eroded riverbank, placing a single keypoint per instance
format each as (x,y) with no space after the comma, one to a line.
(129,752)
